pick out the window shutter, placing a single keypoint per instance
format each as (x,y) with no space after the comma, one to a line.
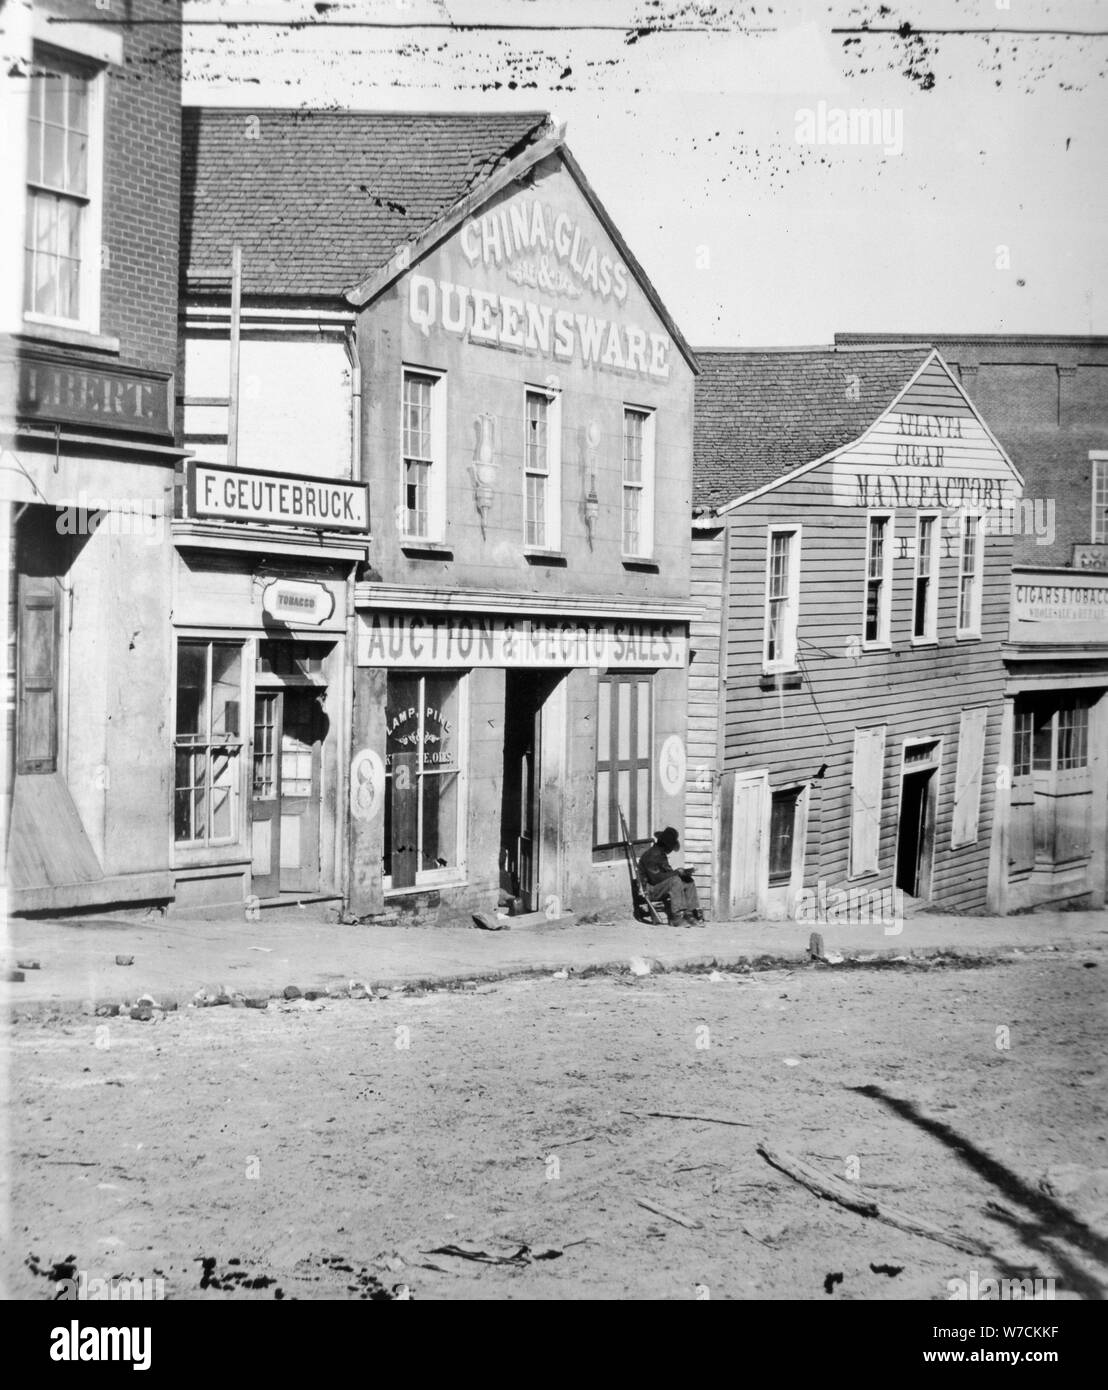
(967,785)
(865,799)
(39,624)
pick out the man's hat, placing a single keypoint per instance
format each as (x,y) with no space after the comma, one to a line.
(667,838)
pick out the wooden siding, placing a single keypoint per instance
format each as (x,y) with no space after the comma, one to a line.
(916,691)
(705,692)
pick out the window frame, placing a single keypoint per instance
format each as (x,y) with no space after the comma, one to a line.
(1098,478)
(636,762)
(930,634)
(883,640)
(91,201)
(793,796)
(436,490)
(552,492)
(787,662)
(1027,722)
(972,631)
(644,487)
(241,741)
(454,873)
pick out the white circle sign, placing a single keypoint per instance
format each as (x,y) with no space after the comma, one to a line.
(671,765)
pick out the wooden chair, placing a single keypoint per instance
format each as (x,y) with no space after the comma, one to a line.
(644,909)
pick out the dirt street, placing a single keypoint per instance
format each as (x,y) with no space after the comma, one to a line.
(323,1149)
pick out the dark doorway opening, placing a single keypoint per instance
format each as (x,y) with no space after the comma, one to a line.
(915,834)
(525,692)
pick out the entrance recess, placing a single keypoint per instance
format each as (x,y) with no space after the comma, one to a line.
(525,693)
(285,801)
(915,835)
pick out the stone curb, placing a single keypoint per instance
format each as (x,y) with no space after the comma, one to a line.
(176,999)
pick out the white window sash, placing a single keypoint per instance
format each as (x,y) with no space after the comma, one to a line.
(1099,527)
(89,283)
(645,488)
(973,576)
(885,578)
(785,660)
(552,489)
(436,484)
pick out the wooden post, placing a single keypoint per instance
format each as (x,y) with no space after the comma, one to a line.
(364,891)
(233,384)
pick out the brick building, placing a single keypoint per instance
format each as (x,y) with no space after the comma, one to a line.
(87,357)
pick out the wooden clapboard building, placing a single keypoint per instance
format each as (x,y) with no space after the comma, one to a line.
(847,678)
(1046,400)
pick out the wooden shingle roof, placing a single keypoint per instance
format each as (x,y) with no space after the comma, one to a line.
(319,199)
(761,413)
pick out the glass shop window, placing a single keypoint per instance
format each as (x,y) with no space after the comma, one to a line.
(423,778)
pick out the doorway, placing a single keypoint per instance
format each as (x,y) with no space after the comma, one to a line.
(289,728)
(915,836)
(521,811)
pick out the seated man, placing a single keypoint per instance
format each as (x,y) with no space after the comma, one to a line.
(666,884)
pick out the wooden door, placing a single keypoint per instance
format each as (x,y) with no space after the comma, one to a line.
(285,796)
(265,801)
(743,844)
(301,743)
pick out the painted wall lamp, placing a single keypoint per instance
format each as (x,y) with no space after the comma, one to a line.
(592,501)
(485,467)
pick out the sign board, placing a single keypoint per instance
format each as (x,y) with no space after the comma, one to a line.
(57,391)
(416,640)
(284,499)
(298,601)
(540,276)
(1090,557)
(1051,608)
(922,461)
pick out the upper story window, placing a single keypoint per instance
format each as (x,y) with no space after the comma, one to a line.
(638,483)
(423,465)
(924,606)
(969,575)
(62,235)
(542,471)
(1100,499)
(782,599)
(879,565)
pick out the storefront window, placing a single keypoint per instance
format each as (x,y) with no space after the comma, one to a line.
(623,759)
(423,778)
(1051,734)
(209,742)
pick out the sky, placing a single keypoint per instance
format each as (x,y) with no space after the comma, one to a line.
(968,195)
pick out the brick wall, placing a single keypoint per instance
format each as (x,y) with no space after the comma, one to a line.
(142,163)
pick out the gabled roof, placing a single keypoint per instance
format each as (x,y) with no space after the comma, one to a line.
(763,412)
(337,204)
(321,198)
